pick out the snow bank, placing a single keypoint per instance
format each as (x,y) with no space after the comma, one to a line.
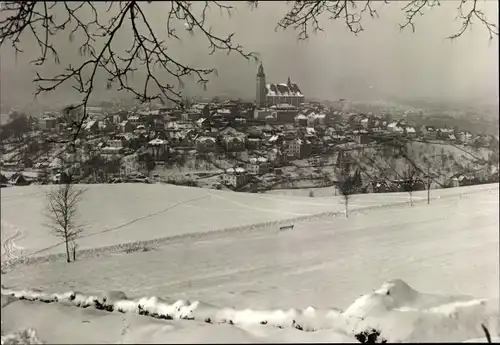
(24,337)
(396,312)
(402,314)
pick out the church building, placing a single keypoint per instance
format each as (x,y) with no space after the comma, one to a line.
(275,94)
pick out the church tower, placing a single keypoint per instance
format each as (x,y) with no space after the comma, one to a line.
(260,99)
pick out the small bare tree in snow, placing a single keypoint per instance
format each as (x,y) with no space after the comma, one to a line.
(410,183)
(63,214)
(346,181)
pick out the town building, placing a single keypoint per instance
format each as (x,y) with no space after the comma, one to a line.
(48,123)
(284,113)
(205,144)
(157,148)
(235,177)
(233,143)
(258,166)
(261,114)
(126,127)
(298,148)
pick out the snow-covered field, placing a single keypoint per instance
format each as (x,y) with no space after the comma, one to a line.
(121,213)
(449,248)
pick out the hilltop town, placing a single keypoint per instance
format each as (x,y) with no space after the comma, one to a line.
(282,140)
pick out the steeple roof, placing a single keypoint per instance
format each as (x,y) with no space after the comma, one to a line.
(261,70)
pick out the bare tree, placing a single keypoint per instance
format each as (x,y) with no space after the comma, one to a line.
(63,214)
(436,168)
(44,20)
(410,182)
(346,180)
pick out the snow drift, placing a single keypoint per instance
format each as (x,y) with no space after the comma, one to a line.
(395,311)
(24,337)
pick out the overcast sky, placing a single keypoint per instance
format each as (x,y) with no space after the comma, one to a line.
(379,63)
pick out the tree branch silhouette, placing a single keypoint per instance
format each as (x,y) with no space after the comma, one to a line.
(147,50)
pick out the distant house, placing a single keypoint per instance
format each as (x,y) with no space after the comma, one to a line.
(134,119)
(205,144)
(285,113)
(203,123)
(91,126)
(276,156)
(115,143)
(235,177)
(301,120)
(298,148)
(466,137)
(240,122)
(192,115)
(158,123)
(157,147)
(48,123)
(395,127)
(258,166)
(253,143)
(126,127)
(362,137)
(18,179)
(364,123)
(454,182)
(410,131)
(119,117)
(232,140)
(428,132)
(233,143)
(110,152)
(444,133)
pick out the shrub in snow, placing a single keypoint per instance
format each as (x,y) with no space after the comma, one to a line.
(370,337)
(27,336)
(137,247)
(103,306)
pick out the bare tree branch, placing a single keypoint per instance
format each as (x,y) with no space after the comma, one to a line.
(304,16)
(147,49)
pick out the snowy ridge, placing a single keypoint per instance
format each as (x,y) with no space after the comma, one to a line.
(96,251)
(398,312)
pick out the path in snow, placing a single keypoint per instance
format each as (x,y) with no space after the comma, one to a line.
(9,248)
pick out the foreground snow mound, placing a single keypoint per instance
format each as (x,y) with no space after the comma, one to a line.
(402,314)
(27,336)
(395,313)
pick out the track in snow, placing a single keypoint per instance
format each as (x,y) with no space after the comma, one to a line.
(9,247)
